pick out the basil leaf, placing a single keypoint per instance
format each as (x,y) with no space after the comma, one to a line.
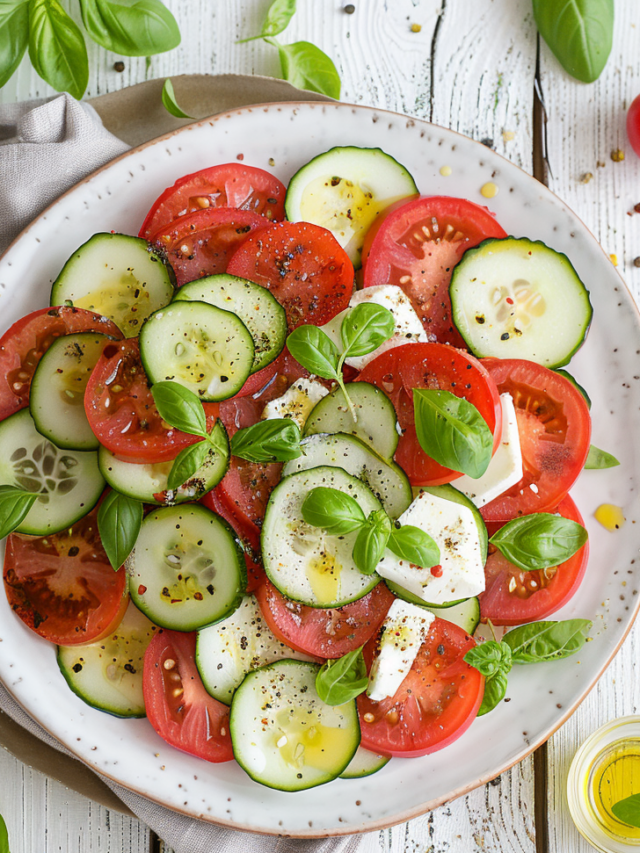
(599,459)
(180,408)
(335,511)
(169,101)
(490,658)
(539,541)
(544,641)
(415,545)
(273,440)
(495,689)
(579,33)
(277,20)
(341,680)
(119,522)
(371,542)
(132,27)
(14,37)
(452,431)
(14,507)
(307,67)
(364,328)
(4,836)
(315,350)
(187,463)
(627,810)
(57,49)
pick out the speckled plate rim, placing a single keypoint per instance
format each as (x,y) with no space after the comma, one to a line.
(542,737)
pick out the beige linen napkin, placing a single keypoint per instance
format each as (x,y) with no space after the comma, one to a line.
(46,147)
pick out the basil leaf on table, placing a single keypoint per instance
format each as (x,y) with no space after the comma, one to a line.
(547,641)
(133,28)
(415,545)
(306,67)
(539,541)
(4,836)
(364,328)
(187,463)
(277,20)
(578,32)
(341,680)
(315,351)
(169,101)
(598,459)
(180,407)
(14,36)
(452,431)
(15,504)
(628,810)
(371,542)
(333,510)
(57,49)
(272,440)
(119,522)
(495,689)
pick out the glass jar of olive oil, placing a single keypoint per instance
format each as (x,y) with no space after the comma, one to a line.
(604,771)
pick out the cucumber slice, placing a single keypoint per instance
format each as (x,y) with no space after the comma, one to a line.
(56,400)
(304,562)
(376,424)
(118,276)
(364,763)
(344,189)
(242,642)
(575,384)
(283,734)
(107,674)
(258,309)
(68,482)
(465,613)
(186,570)
(387,481)
(204,348)
(148,482)
(516,298)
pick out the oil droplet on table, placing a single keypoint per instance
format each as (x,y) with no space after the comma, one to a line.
(489,190)
(610,516)
(445,171)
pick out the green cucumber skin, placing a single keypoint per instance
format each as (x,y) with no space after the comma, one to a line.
(383,760)
(74,689)
(575,384)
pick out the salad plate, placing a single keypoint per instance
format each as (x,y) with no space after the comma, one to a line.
(281,138)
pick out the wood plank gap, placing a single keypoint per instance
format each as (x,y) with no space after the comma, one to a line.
(155,844)
(540,161)
(432,63)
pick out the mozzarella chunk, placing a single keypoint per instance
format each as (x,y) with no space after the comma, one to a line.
(403,632)
(505,468)
(409,328)
(297,402)
(454,529)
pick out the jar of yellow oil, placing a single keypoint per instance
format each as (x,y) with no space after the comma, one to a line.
(604,771)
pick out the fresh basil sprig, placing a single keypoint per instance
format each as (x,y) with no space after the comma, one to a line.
(540,540)
(371,541)
(277,20)
(628,810)
(169,101)
(341,680)
(15,504)
(452,431)
(14,36)
(56,48)
(333,510)
(4,836)
(272,440)
(598,459)
(119,522)
(536,642)
(579,34)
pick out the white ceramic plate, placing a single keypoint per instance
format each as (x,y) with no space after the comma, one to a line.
(282,138)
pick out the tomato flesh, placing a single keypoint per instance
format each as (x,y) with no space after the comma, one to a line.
(303,265)
(399,371)
(512,597)
(416,246)
(554,427)
(62,586)
(324,633)
(178,707)
(633,125)
(434,705)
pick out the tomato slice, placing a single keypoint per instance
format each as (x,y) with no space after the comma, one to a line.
(122,413)
(303,265)
(324,633)
(398,371)
(178,707)
(434,705)
(513,597)
(416,246)
(62,586)
(24,344)
(202,243)
(227,185)
(554,427)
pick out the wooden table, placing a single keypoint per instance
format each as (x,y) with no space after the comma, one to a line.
(473,66)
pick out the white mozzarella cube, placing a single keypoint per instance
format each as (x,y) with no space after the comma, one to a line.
(409,328)
(403,632)
(297,402)
(505,468)
(461,570)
